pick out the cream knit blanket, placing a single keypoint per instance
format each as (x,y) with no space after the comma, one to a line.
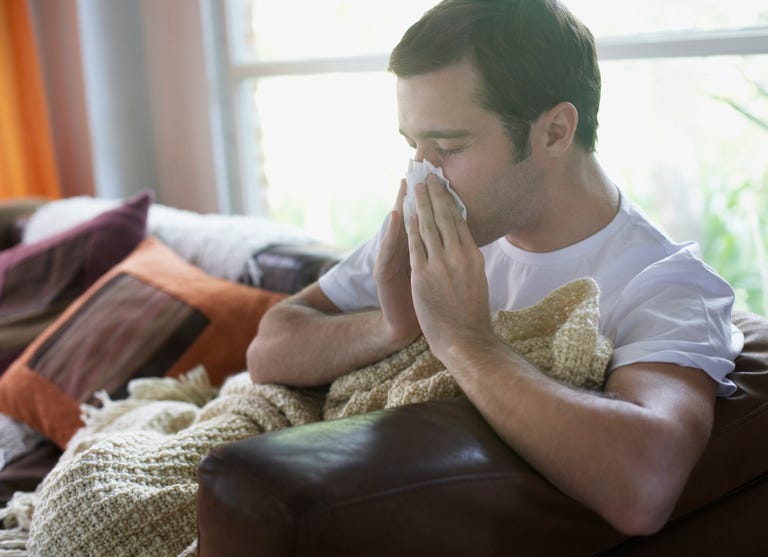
(126,485)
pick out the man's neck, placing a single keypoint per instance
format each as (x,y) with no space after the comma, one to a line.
(581,202)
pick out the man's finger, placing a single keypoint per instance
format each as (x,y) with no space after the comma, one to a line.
(418,254)
(430,235)
(401,196)
(446,213)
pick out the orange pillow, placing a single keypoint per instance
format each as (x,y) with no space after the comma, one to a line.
(153,314)
(39,280)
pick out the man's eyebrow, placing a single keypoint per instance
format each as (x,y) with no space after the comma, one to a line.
(440,134)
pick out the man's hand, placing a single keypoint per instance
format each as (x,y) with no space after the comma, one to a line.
(333,342)
(392,274)
(450,289)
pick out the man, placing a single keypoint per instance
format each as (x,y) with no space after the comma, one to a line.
(503,95)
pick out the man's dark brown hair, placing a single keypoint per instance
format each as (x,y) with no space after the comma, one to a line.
(529,54)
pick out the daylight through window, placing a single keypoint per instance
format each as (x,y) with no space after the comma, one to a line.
(685,136)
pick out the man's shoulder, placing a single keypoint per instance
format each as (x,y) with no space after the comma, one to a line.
(683,267)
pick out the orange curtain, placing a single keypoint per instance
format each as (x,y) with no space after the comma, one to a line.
(27,162)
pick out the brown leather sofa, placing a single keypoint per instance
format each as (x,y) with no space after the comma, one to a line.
(434,479)
(286,268)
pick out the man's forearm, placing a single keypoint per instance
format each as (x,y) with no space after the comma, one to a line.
(627,457)
(301,346)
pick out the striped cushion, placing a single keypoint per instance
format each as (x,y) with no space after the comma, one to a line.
(38,281)
(152,315)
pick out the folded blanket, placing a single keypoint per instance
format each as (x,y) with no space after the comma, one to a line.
(559,335)
(126,485)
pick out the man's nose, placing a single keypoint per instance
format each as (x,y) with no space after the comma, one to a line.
(422,153)
(418,154)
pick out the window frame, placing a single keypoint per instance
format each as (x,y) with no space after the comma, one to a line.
(239,183)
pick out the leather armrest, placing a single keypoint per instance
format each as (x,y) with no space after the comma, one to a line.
(434,479)
(736,452)
(425,479)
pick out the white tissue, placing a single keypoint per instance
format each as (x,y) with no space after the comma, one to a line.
(417,173)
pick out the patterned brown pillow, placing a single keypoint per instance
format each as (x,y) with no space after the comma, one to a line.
(39,280)
(153,314)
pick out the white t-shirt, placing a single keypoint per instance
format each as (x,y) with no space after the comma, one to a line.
(658,301)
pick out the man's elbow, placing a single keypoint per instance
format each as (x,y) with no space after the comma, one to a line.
(649,483)
(646,500)
(639,519)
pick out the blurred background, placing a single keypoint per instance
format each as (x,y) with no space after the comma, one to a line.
(285,109)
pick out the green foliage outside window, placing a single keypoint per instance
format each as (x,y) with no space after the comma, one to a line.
(735,238)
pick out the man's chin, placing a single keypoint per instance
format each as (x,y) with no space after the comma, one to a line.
(483,237)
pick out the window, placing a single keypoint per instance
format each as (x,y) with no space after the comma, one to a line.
(683,119)
(685,138)
(315,110)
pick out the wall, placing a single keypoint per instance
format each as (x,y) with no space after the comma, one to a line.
(180,101)
(129,98)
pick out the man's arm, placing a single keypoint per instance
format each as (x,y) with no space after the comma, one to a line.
(625,453)
(306,341)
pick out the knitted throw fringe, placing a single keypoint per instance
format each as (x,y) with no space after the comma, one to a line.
(126,485)
(13,543)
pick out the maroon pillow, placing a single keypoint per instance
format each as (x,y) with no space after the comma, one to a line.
(39,280)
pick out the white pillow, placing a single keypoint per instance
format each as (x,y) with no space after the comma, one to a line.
(221,245)
(62,214)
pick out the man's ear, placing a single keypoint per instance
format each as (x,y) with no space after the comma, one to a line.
(555,129)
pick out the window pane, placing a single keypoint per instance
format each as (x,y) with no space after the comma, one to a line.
(630,17)
(687,139)
(270,30)
(267,30)
(684,137)
(333,157)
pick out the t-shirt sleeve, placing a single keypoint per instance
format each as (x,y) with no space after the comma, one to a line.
(677,310)
(350,284)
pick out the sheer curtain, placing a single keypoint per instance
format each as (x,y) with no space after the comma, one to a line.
(126,87)
(146,99)
(27,160)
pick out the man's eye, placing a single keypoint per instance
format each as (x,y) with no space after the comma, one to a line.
(447,152)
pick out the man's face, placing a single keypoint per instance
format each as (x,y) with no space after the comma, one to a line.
(444,123)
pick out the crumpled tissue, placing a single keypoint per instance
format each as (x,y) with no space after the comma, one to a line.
(417,173)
